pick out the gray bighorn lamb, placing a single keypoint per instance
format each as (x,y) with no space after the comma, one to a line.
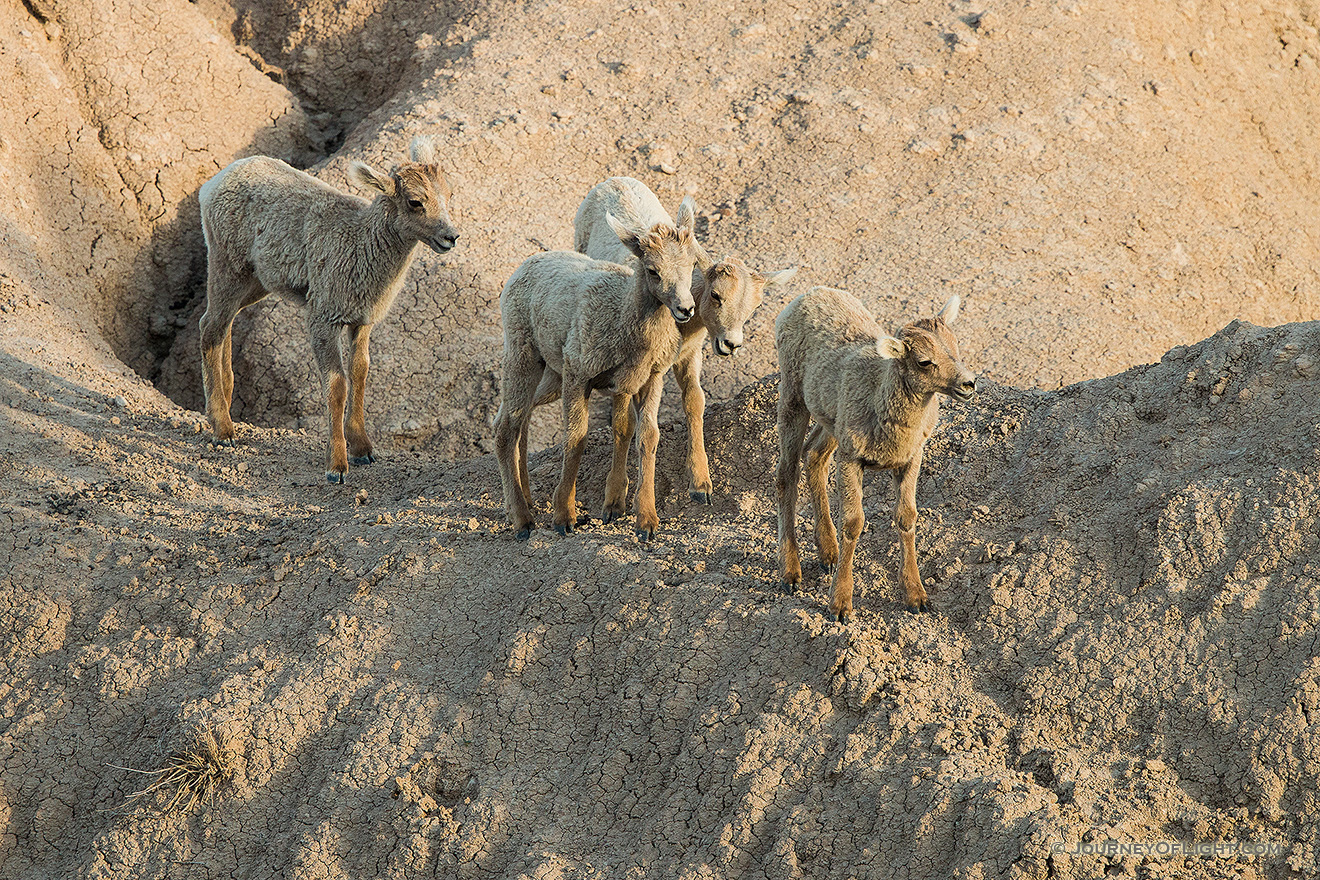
(589,324)
(726,294)
(873,398)
(270,228)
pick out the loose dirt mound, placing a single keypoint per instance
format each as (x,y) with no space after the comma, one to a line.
(1123,649)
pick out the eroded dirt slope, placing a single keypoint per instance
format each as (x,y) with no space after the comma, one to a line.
(1124,570)
(1099,181)
(115,112)
(1123,647)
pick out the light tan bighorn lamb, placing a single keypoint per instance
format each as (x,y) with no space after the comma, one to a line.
(588,324)
(270,228)
(873,398)
(726,294)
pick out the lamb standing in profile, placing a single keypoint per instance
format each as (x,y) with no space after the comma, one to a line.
(270,228)
(577,324)
(726,294)
(873,398)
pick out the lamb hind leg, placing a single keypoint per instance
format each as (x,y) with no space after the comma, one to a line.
(330,361)
(547,391)
(616,485)
(516,393)
(792,430)
(575,442)
(359,446)
(820,449)
(215,331)
(854,520)
(226,294)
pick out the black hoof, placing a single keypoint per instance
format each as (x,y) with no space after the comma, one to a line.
(523,534)
(919,608)
(700,497)
(840,617)
(362,459)
(790,587)
(228,441)
(609,516)
(645,535)
(827,567)
(334,477)
(564,529)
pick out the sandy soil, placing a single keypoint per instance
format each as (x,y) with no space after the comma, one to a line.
(1124,569)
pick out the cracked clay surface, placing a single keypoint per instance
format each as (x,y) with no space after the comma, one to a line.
(1123,648)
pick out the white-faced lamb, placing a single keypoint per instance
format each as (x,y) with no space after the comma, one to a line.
(873,398)
(270,228)
(579,325)
(726,294)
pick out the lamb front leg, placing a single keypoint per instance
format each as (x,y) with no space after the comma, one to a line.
(905,521)
(688,375)
(648,405)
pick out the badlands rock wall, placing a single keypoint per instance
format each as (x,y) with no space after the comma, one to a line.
(1100,182)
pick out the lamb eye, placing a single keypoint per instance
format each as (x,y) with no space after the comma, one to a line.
(415,204)
(715,298)
(925,362)
(652,272)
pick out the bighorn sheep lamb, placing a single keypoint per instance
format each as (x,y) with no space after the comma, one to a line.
(589,324)
(726,294)
(873,398)
(270,228)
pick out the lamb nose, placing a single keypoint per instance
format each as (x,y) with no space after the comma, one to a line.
(685,314)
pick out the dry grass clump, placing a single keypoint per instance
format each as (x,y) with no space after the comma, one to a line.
(197,773)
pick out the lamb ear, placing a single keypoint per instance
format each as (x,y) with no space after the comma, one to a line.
(687,214)
(949,313)
(364,175)
(626,235)
(890,347)
(422,150)
(704,262)
(773,279)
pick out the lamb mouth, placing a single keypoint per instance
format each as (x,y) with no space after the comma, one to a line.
(963,394)
(440,247)
(720,349)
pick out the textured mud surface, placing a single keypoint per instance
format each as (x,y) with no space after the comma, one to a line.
(1123,648)
(1124,571)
